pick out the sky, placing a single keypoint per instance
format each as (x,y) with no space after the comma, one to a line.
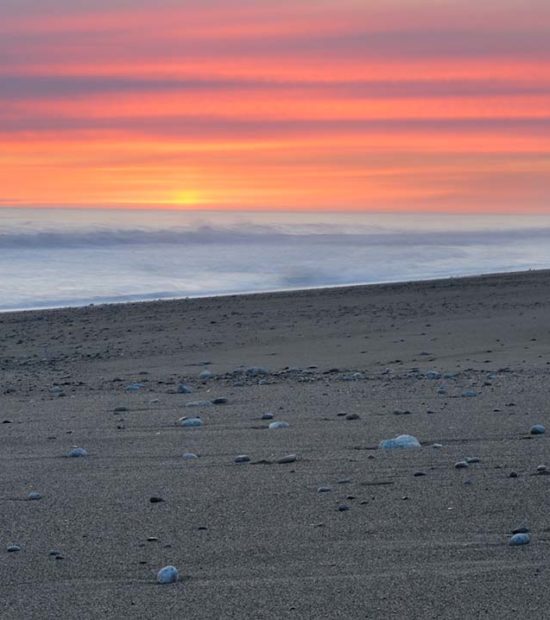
(325,105)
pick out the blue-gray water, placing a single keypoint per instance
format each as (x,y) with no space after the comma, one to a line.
(61,257)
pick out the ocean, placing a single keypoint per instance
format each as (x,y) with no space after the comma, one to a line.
(74,257)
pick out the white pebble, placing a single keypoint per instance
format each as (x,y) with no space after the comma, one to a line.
(275,425)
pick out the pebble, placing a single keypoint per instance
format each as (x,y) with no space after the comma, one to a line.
(469,394)
(289,458)
(256,371)
(324,490)
(520,539)
(34,495)
(205,375)
(120,409)
(353,416)
(417,474)
(267,416)
(513,474)
(242,458)
(190,422)
(437,445)
(54,553)
(155,500)
(189,456)
(12,548)
(276,425)
(400,442)
(134,387)
(77,453)
(219,401)
(537,429)
(433,374)
(183,388)
(542,469)
(168,574)
(461,465)
(343,507)
(472,459)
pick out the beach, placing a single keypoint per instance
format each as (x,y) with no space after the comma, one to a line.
(344,530)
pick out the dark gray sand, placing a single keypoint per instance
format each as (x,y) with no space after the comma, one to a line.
(346,368)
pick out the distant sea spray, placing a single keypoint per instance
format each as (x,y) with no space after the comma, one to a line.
(60,257)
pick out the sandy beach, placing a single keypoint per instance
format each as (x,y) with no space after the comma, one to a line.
(346,530)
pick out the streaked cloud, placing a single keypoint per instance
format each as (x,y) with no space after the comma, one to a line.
(269,103)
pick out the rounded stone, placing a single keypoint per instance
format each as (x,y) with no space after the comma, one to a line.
(289,458)
(537,429)
(242,458)
(276,425)
(190,422)
(189,456)
(520,539)
(77,453)
(168,574)
(34,495)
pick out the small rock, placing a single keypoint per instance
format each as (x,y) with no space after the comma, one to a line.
(256,371)
(437,446)
(189,456)
(205,375)
(267,416)
(469,394)
(276,425)
(134,387)
(542,469)
(289,458)
(152,539)
(54,553)
(418,474)
(353,416)
(168,574)
(324,490)
(155,500)
(219,401)
(342,507)
(513,474)
(242,458)
(472,459)
(537,429)
(120,409)
(34,495)
(461,465)
(12,548)
(520,539)
(183,388)
(77,453)
(401,442)
(190,422)
(433,374)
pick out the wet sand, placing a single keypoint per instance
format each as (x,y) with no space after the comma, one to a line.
(257,540)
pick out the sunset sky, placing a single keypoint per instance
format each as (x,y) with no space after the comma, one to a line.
(373,105)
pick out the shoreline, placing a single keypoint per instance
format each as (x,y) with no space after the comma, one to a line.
(283,291)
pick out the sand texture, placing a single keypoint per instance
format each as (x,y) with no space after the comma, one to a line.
(346,368)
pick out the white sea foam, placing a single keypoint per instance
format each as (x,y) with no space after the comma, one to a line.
(61,257)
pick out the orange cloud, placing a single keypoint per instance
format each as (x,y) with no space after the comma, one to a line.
(332,105)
